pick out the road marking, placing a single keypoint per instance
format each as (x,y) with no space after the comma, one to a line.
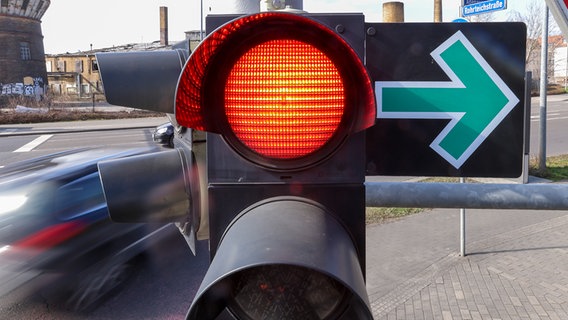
(33,144)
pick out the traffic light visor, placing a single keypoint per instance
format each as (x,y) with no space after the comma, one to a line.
(277,86)
(284,258)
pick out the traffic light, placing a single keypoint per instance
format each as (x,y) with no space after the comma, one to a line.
(285,99)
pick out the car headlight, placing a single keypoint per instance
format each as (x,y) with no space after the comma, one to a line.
(161,130)
(12,202)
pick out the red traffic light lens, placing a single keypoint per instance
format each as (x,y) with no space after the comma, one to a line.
(284,99)
(282,89)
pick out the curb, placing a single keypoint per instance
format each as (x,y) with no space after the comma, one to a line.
(59,131)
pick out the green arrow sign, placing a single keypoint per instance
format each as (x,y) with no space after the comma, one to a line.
(475,100)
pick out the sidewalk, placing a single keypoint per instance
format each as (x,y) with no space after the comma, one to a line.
(551,97)
(516,266)
(79,126)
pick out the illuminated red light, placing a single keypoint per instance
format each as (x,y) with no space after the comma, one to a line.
(283,90)
(284,99)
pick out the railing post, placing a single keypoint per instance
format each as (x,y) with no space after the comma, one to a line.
(462,227)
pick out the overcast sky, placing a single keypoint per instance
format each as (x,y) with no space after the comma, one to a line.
(73,25)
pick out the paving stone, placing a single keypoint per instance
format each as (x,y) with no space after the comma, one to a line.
(519,275)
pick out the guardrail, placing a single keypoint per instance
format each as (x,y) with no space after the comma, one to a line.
(544,196)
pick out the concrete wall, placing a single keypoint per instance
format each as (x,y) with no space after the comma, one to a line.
(16,32)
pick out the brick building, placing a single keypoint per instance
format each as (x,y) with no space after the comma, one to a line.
(77,74)
(22,57)
(73,73)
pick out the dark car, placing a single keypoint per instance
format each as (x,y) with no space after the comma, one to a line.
(55,231)
(164,135)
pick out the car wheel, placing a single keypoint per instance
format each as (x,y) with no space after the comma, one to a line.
(171,141)
(92,289)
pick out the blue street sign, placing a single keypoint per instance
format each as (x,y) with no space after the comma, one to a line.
(472,8)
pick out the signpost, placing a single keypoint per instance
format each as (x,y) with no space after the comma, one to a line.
(473,7)
(559,9)
(450,99)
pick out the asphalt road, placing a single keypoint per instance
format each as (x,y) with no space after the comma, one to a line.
(556,127)
(161,286)
(27,141)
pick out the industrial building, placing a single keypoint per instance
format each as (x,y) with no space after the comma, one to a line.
(77,74)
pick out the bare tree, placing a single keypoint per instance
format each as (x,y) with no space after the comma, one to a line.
(533,20)
(485,17)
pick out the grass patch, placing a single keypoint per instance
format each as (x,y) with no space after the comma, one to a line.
(381,215)
(556,168)
(49,110)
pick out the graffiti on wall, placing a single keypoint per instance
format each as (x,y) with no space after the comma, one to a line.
(31,87)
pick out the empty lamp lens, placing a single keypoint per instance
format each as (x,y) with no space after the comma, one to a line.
(286,292)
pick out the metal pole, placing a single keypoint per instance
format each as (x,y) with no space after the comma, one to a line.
(566,70)
(543,85)
(532,196)
(201,22)
(527,127)
(462,227)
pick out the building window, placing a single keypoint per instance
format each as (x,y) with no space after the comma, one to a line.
(61,66)
(25,52)
(4,3)
(79,66)
(94,65)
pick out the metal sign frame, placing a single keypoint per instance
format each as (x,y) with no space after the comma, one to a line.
(427,98)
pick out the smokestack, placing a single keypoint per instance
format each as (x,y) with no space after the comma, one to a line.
(393,11)
(437,10)
(164,26)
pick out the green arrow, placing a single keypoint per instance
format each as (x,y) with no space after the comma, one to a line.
(475,99)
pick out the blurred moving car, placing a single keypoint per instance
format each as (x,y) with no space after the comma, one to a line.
(55,231)
(164,135)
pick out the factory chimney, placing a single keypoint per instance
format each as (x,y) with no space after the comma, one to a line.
(164,26)
(393,11)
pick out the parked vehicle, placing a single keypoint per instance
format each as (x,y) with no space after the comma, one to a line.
(55,231)
(164,135)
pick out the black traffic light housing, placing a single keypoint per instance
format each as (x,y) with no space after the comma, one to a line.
(283,241)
